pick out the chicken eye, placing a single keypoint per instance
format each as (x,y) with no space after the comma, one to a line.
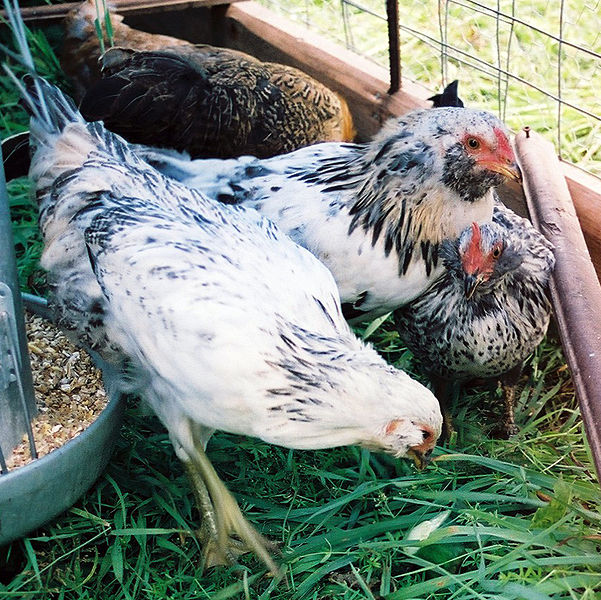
(427,434)
(473,143)
(496,252)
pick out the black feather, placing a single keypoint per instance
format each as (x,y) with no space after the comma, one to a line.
(448,97)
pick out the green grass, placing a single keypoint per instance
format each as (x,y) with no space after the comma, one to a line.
(523,514)
(479,47)
(524,518)
(14,119)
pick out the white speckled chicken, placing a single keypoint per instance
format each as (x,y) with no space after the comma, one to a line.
(226,322)
(487,312)
(206,100)
(376,213)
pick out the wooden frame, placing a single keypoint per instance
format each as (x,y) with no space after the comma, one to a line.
(49,13)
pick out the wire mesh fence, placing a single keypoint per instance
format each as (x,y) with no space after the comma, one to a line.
(534,62)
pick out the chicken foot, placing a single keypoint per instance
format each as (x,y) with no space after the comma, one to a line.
(222,517)
(207,533)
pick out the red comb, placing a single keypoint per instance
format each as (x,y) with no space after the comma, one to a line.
(476,235)
(504,146)
(472,258)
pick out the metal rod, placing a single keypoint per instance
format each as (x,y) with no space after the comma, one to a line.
(25,405)
(481,65)
(559,74)
(443,29)
(8,275)
(348,32)
(365,9)
(486,10)
(394,45)
(507,61)
(498,47)
(490,12)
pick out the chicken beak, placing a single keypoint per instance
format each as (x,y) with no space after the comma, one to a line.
(471,282)
(510,170)
(420,459)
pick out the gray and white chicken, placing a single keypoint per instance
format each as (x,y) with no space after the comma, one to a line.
(374,214)
(487,312)
(226,323)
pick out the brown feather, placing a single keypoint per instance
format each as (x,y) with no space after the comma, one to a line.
(208,101)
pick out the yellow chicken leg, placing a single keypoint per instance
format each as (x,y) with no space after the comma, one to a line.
(222,517)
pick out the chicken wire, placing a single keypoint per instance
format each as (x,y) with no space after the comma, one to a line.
(533,62)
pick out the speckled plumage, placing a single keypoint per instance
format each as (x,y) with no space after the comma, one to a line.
(374,214)
(206,100)
(218,289)
(494,331)
(225,322)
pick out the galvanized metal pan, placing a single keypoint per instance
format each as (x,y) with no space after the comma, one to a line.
(35,493)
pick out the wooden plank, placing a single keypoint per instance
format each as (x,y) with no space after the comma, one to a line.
(57,12)
(584,189)
(575,290)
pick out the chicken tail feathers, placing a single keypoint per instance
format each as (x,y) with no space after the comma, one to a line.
(51,109)
(449,97)
(46,103)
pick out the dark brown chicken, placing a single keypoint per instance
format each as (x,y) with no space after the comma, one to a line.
(208,101)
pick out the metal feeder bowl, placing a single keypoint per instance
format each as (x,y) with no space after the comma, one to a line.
(35,493)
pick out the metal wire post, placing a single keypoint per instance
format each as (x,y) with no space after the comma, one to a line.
(394,45)
(17,401)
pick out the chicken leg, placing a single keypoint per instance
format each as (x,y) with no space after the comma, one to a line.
(207,534)
(222,516)
(509,381)
(445,392)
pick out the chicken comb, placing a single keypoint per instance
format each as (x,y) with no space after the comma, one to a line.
(504,144)
(476,234)
(472,258)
